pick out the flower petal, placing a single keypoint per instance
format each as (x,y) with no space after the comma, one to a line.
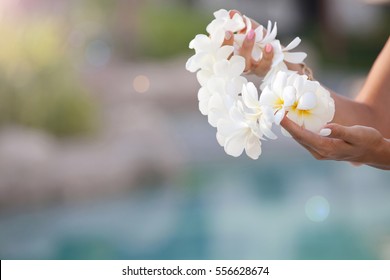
(279,116)
(307,101)
(253,147)
(295,57)
(237,65)
(250,95)
(294,43)
(234,145)
(289,96)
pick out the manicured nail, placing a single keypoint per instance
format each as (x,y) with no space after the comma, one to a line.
(268,48)
(228,35)
(325,132)
(251,34)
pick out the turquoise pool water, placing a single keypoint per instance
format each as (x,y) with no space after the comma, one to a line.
(219,210)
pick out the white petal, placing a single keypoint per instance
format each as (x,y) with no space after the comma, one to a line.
(237,114)
(250,95)
(294,43)
(279,82)
(203,76)
(295,57)
(273,33)
(277,59)
(259,31)
(313,123)
(279,116)
(307,101)
(268,97)
(237,65)
(253,147)
(216,85)
(289,96)
(191,65)
(224,52)
(234,145)
(203,107)
(220,139)
(227,127)
(221,13)
(201,42)
(257,53)
(234,86)
(266,129)
(221,68)
(217,38)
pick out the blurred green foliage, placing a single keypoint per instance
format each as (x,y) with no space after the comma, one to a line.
(37,86)
(167,30)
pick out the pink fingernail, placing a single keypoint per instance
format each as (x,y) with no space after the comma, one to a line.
(251,34)
(268,48)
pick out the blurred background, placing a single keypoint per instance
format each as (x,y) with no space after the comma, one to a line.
(104,154)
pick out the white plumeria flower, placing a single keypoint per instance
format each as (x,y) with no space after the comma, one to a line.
(225,78)
(207,67)
(306,102)
(207,51)
(231,70)
(223,22)
(219,105)
(268,36)
(236,133)
(263,115)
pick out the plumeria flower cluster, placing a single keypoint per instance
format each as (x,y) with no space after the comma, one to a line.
(243,114)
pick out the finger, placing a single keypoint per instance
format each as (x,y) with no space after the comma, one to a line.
(265,63)
(303,135)
(342,132)
(233,12)
(229,38)
(313,152)
(246,49)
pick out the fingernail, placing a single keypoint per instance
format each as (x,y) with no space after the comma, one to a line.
(268,48)
(325,132)
(251,34)
(228,35)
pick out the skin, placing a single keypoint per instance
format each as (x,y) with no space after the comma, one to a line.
(360,127)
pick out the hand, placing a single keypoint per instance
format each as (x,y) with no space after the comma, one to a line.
(261,67)
(357,144)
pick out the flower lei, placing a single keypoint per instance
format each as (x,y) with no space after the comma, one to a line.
(242,116)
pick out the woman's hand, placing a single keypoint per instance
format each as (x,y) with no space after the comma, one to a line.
(261,67)
(357,144)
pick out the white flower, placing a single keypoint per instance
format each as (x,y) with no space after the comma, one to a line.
(223,22)
(231,70)
(225,78)
(236,133)
(263,115)
(207,51)
(268,36)
(306,102)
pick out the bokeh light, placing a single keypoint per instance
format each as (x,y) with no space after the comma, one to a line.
(317,208)
(141,84)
